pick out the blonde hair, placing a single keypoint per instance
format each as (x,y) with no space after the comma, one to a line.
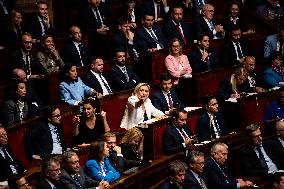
(233,80)
(137,88)
(130,135)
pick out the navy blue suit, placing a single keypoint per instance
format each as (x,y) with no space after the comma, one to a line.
(218,175)
(167,184)
(173,140)
(143,40)
(191,182)
(276,149)
(198,65)
(250,163)
(91,80)
(203,126)
(159,100)
(39,140)
(119,81)
(202,27)
(229,56)
(70,54)
(170,30)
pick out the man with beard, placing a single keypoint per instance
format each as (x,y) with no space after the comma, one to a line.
(122,76)
(46,138)
(177,137)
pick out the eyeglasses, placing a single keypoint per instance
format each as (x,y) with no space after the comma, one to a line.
(58,115)
(28,42)
(55,170)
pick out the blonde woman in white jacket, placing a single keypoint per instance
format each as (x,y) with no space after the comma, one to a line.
(139,108)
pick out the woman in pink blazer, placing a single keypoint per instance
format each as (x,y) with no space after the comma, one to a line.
(176,63)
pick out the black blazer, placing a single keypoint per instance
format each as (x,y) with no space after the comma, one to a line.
(215,177)
(120,163)
(148,7)
(191,182)
(229,56)
(43,184)
(34,28)
(39,140)
(17,61)
(198,65)
(201,27)
(276,150)
(167,184)
(159,100)
(143,41)
(89,23)
(91,80)
(6,172)
(67,180)
(250,164)
(70,54)
(170,31)
(119,41)
(173,140)
(118,79)
(203,126)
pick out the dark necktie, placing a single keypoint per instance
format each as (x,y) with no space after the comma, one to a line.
(145,116)
(125,73)
(155,38)
(99,18)
(10,161)
(261,158)
(180,33)
(240,54)
(28,64)
(105,84)
(82,54)
(202,183)
(170,101)
(76,179)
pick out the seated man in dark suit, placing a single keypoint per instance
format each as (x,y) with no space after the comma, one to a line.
(116,158)
(122,76)
(149,38)
(235,48)
(123,39)
(176,172)
(176,27)
(95,23)
(203,57)
(40,23)
(74,50)
(157,8)
(46,138)
(51,174)
(194,178)
(9,165)
(166,99)
(177,137)
(24,59)
(276,145)
(96,79)
(255,157)
(210,125)
(217,172)
(254,78)
(73,176)
(205,23)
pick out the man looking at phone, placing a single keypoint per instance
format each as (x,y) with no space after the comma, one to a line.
(40,24)
(178,137)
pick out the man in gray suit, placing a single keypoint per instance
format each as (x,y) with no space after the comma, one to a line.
(73,176)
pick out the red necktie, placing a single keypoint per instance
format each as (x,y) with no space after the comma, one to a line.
(180,33)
